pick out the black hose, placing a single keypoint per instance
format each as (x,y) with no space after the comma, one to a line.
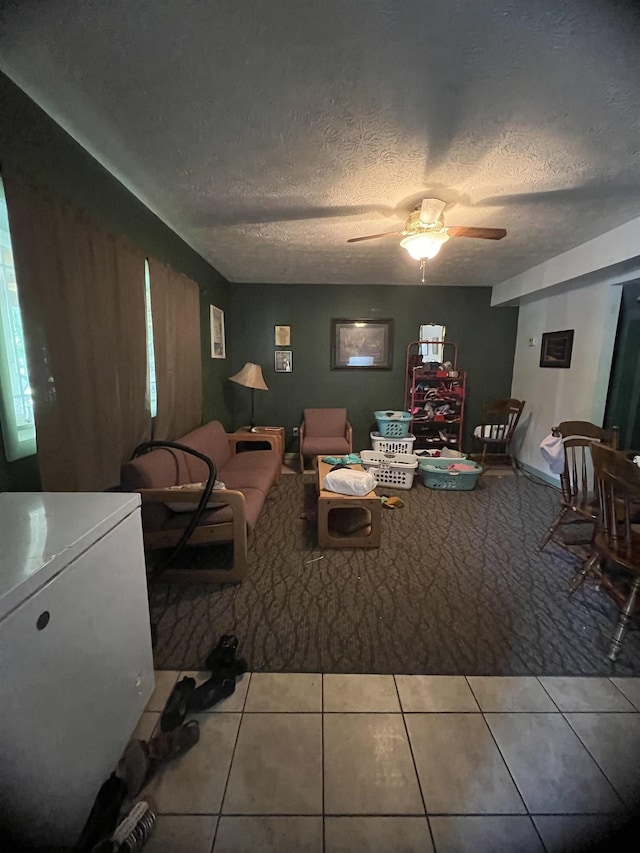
(204,500)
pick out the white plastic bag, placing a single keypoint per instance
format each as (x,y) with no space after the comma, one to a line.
(347,481)
(552,450)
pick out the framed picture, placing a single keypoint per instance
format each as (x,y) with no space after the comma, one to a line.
(361,344)
(556,349)
(282,336)
(283,361)
(216,319)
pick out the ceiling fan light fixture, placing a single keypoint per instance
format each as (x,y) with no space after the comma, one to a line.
(424,246)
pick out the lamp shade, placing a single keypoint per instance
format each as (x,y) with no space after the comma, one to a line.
(251,377)
(424,246)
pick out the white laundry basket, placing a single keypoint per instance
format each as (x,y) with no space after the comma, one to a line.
(392,445)
(396,470)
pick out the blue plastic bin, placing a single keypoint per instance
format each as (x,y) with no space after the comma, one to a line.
(393,424)
(434,474)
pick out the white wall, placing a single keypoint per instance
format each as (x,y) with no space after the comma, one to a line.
(581,290)
(561,394)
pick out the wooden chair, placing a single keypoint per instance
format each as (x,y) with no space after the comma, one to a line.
(617,538)
(324,432)
(495,432)
(578,501)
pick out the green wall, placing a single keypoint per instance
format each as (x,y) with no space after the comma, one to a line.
(485,338)
(34,146)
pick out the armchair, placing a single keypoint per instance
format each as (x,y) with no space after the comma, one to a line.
(324,431)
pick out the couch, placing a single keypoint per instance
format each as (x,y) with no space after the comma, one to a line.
(232,511)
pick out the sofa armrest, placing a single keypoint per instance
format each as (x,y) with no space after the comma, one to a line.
(349,436)
(231,497)
(252,437)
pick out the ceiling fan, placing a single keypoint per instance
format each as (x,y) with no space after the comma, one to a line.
(425,233)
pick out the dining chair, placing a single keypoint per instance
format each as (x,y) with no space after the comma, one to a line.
(616,542)
(496,430)
(578,501)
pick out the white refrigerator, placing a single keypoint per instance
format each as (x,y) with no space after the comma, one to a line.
(76,667)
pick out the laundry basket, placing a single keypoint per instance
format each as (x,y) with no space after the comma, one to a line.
(392,445)
(396,470)
(434,474)
(393,424)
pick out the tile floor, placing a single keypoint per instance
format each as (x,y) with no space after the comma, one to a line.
(306,762)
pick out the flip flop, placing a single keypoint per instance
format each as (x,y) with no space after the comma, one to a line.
(169,745)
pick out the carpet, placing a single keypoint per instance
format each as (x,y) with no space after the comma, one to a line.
(458,586)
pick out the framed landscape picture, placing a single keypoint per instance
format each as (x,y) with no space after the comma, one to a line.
(361,344)
(556,349)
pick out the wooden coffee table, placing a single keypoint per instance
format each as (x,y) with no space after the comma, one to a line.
(337,513)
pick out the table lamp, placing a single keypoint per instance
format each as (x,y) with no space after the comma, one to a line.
(251,377)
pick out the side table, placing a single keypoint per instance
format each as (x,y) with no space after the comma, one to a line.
(277,432)
(331,504)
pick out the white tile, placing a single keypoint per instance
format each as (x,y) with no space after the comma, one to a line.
(585,694)
(194,782)
(173,833)
(510,693)
(367,693)
(485,834)
(552,769)
(563,833)
(460,768)
(377,835)
(631,689)
(614,741)
(368,767)
(274,692)
(269,834)
(424,693)
(233,703)
(277,766)
(164,681)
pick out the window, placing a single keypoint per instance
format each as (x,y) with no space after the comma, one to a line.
(16,404)
(151,358)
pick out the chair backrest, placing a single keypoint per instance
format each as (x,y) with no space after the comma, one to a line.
(618,487)
(325,422)
(578,438)
(502,417)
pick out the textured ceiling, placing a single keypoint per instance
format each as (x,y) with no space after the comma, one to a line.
(268,133)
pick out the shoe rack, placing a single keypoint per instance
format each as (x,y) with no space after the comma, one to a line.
(435,395)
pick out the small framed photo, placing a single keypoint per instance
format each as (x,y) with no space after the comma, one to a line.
(216,319)
(556,349)
(282,336)
(283,361)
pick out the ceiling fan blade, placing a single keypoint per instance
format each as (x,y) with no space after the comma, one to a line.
(375,236)
(482,233)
